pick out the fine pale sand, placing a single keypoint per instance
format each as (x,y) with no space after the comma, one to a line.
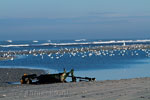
(126,89)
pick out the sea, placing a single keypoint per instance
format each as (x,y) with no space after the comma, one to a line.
(104,64)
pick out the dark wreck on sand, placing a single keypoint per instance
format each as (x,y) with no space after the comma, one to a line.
(52,78)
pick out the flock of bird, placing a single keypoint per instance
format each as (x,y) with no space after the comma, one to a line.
(80,52)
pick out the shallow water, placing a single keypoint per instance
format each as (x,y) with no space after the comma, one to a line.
(102,64)
(131,71)
(16,83)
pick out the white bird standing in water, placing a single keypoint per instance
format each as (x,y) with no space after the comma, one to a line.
(124,44)
(12,58)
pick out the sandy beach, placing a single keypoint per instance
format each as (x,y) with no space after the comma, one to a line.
(125,89)
(75,50)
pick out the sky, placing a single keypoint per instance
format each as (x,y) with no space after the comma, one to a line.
(74,19)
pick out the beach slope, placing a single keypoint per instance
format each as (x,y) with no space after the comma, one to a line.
(126,89)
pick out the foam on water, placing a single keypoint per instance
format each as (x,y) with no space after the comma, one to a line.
(9,41)
(76,42)
(97,42)
(18,45)
(35,41)
(80,40)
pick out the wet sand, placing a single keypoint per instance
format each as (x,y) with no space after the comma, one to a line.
(14,75)
(126,89)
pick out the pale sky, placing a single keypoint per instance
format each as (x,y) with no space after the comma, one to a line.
(74,19)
